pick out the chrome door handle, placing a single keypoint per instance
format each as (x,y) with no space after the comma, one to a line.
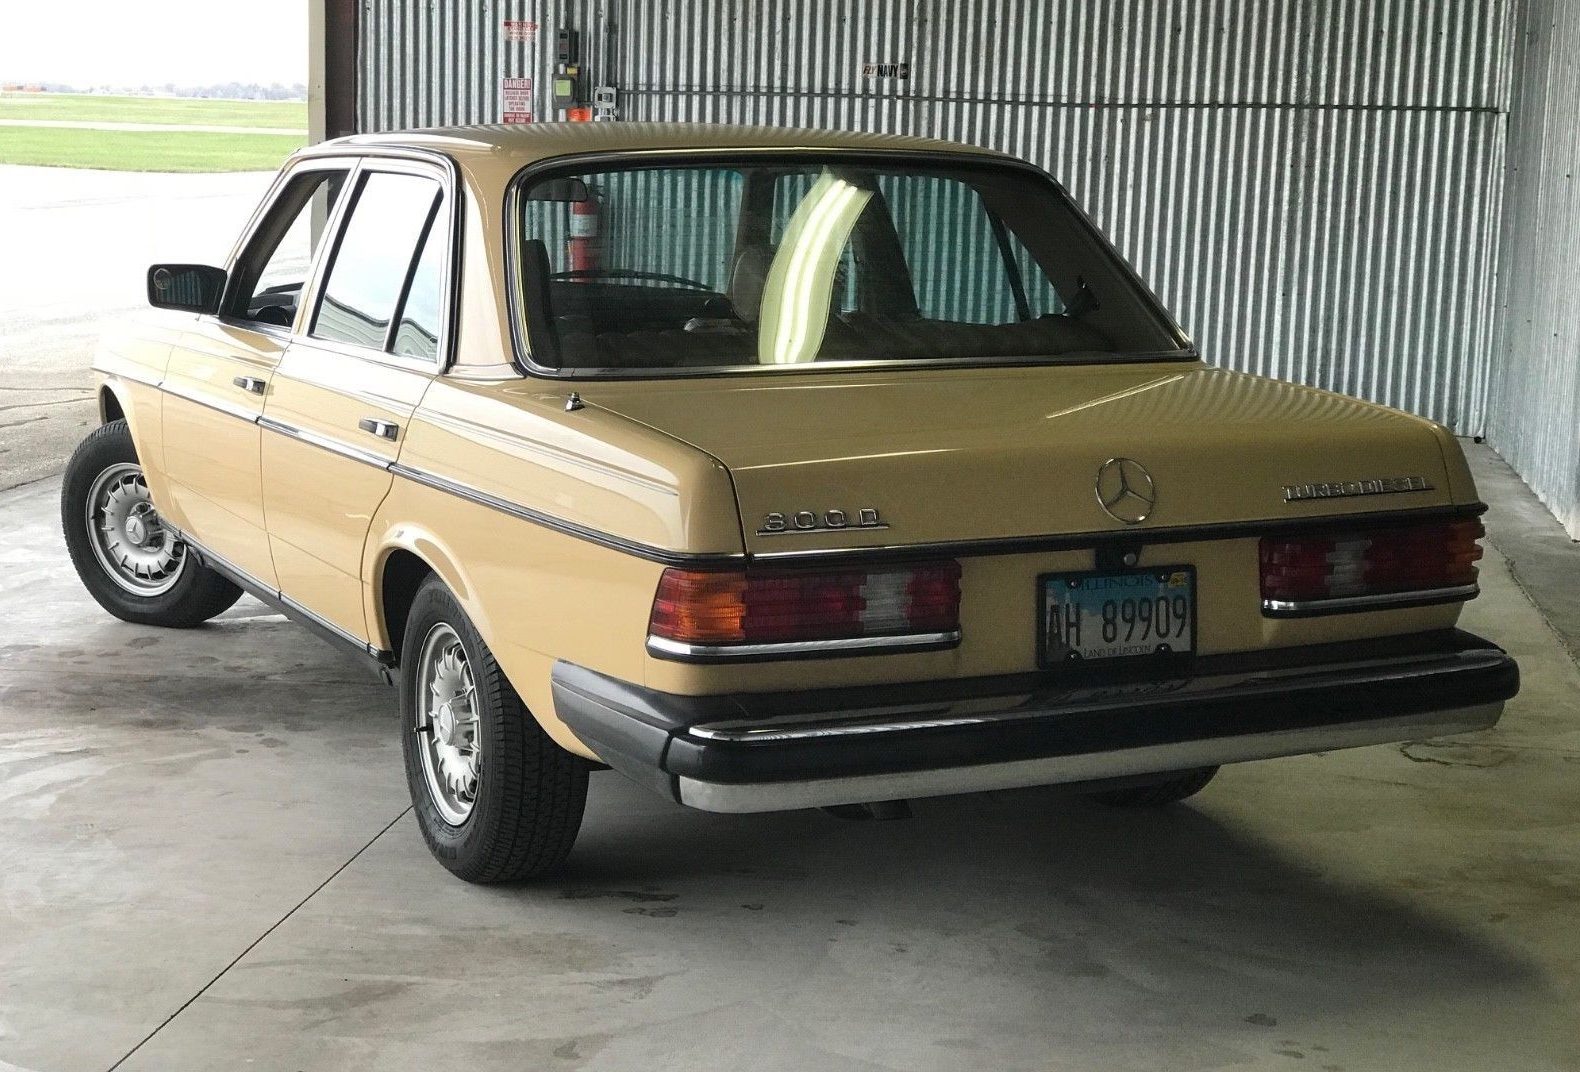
(382,429)
(249,383)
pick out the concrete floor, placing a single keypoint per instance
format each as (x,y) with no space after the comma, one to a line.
(209,863)
(79,243)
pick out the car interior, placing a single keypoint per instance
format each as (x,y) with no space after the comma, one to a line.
(636,308)
(272,272)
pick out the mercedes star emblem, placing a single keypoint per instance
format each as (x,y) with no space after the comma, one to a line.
(1125,490)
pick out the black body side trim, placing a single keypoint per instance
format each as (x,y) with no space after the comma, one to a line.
(568,528)
(1102,542)
(955,548)
(382,661)
(1132,538)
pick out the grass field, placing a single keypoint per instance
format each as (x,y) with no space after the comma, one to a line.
(149,150)
(91,108)
(115,150)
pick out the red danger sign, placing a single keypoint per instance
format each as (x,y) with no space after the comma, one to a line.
(523,31)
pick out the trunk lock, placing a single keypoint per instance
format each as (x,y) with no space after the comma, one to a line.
(1118,556)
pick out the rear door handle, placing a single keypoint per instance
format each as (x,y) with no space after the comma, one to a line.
(382,429)
(249,383)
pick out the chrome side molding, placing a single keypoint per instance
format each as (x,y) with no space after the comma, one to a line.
(664,648)
(1311,608)
(323,442)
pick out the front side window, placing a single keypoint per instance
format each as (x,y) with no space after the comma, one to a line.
(831,261)
(384,244)
(273,268)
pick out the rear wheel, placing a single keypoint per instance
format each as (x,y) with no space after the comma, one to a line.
(495,798)
(1169,789)
(130,562)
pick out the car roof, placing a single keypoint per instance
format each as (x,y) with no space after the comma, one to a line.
(501,149)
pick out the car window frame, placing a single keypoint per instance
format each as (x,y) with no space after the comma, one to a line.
(435,165)
(425,165)
(288,174)
(575,163)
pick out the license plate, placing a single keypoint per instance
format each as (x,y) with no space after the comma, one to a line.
(1117,614)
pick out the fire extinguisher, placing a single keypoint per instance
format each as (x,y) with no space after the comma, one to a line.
(584,245)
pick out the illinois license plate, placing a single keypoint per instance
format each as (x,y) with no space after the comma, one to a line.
(1118,614)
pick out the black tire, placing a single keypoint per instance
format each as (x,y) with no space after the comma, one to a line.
(529,792)
(197,593)
(1172,788)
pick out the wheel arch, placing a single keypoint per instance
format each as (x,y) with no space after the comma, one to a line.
(117,402)
(400,554)
(397,569)
(139,405)
(402,573)
(111,407)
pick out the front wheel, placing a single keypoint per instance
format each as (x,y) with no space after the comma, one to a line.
(130,562)
(495,798)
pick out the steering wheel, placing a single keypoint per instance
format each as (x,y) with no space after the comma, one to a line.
(278,315)
(628,273)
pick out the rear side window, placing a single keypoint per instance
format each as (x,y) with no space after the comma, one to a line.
(384,242)
(948,234)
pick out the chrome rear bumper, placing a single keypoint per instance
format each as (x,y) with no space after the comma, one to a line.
(771,752)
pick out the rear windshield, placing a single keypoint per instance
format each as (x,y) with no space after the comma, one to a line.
(782,265)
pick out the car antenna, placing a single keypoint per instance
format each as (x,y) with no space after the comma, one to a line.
(573,402)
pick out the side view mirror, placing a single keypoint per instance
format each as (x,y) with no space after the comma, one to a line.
(195,288)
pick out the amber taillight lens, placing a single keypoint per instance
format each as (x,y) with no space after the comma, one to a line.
(784,606)
(1414,558)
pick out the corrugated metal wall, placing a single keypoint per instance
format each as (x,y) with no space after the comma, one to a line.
(426,63)
(1535,419)
(1312,186)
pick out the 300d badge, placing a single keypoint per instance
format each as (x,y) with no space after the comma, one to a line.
(777,524)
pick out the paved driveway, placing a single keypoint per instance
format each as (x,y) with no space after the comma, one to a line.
(74,247)
(208,863)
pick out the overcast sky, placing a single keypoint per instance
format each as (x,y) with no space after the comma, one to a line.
(129,43)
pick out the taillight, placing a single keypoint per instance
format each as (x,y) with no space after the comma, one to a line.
(1370,562)
(709,607)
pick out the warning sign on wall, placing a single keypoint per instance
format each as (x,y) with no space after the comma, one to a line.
(518,30)
(516,95)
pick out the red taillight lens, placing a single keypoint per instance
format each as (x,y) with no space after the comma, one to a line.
(780,606)
(1370,561)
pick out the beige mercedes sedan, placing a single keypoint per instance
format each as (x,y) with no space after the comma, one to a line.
(772,469)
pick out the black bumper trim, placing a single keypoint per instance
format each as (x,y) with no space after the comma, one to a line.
(882,730)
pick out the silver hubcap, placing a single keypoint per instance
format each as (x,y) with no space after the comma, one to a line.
(447,727)
(134,547)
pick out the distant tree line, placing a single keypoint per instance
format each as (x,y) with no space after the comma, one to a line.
(220,90)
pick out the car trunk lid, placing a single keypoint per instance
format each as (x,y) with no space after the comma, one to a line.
(847,460)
